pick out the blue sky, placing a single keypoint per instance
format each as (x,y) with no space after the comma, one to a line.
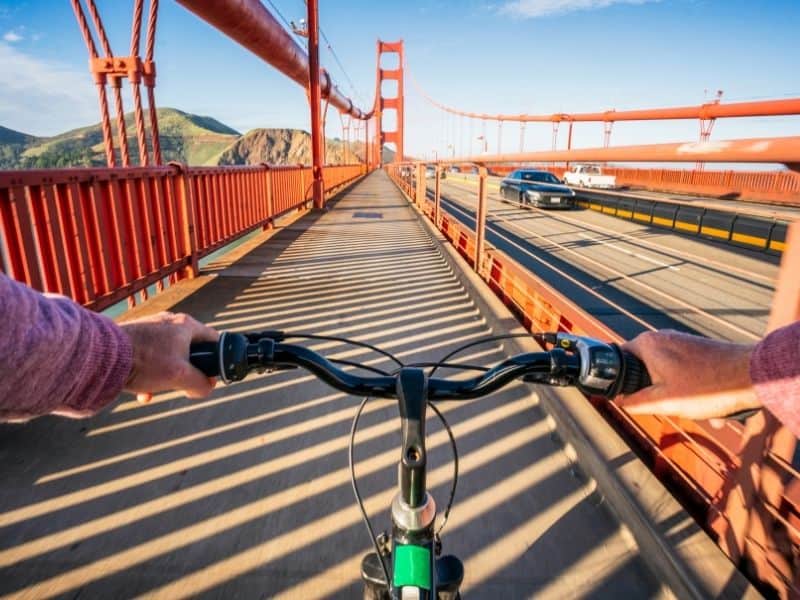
(496,56)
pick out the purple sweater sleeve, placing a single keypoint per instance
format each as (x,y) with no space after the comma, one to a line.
(55,356)
(775,371)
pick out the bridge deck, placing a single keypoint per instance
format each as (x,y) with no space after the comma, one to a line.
(247,494)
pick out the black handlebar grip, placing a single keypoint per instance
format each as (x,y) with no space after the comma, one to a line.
(205,357)
(634,374)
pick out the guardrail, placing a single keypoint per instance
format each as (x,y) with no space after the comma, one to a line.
(100,236)
(739,229)
(702,465)
(773,187)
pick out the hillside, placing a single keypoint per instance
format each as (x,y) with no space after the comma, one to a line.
(284,147)
(184,137)
(12,145)
(193,139)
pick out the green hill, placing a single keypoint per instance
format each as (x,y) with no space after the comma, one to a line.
(192,139)
(184,137)
(12,145)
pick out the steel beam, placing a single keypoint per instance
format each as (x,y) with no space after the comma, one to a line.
(253,26)
(783,150)
(315,99)
(710,110)
(480,220)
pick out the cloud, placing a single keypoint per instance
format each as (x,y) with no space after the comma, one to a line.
(530,9)
(43,97)
(13,36)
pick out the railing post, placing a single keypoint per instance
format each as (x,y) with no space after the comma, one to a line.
(480,217)
(302,204)
(270,223)
(437,190)
(419,197)
(315,99)
(185,199)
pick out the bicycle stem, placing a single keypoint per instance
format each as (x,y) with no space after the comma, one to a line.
(412,393)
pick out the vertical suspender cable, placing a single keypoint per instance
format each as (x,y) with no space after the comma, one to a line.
(100,81)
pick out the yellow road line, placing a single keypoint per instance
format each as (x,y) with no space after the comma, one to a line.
(752,240)
(662,221)
(716,232)
(776,245)
(693,227)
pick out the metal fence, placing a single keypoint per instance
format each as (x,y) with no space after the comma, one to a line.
(739,482)
(777,187)
(100,236)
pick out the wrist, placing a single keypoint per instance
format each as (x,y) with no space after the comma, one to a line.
(137,354)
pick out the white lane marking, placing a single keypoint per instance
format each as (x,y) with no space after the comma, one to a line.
(628,252)
(695,309)
(701,262)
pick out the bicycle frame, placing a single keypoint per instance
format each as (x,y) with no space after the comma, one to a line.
(411,560)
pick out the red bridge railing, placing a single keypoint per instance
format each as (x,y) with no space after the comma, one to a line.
(102,235)
(707,468)
(777,187)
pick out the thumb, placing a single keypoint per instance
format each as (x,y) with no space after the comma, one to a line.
(640,401)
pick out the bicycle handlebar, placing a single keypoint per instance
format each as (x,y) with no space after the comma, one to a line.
(594,367)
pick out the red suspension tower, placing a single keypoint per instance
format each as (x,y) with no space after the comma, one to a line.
(392,103)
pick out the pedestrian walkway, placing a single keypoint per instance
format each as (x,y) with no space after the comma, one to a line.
(247,494)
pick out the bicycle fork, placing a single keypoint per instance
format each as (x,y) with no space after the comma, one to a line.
(411,559)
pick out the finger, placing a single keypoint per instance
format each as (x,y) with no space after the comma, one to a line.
(144,398)
(201,332)
(644,396)
(717,423)
(700,406)
(194,383)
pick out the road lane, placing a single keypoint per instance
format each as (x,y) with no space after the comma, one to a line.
(664,279)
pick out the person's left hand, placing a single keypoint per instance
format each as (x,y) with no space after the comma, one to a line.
(161,355)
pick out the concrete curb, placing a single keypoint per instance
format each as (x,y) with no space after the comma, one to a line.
(673,545)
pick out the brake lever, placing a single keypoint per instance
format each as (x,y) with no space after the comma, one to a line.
(741,415)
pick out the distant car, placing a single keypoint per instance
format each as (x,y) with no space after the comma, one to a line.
(430,172)
(589,176)
(537,188)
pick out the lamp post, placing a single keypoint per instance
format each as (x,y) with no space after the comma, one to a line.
(485,143)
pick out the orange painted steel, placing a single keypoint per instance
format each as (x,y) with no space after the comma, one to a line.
(779,187)
(314,100)
(101,235)
(709,110)
(782,150)
(754,518)
(396,103)
(774,187)
(111,70)
(250,24)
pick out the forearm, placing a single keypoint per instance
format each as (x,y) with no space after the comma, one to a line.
(775,372)
(57,357)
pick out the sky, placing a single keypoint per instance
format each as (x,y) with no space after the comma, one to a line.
(510,56)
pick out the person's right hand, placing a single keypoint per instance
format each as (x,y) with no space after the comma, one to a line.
(693,377)
(161,355)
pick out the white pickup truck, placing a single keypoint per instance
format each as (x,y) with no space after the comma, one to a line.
(589,176)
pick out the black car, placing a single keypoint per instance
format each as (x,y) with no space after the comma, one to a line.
(538,188)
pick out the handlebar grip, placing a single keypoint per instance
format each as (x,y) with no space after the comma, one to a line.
(205,357)
(634,374)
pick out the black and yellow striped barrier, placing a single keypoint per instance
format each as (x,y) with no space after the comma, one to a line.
(735,228)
